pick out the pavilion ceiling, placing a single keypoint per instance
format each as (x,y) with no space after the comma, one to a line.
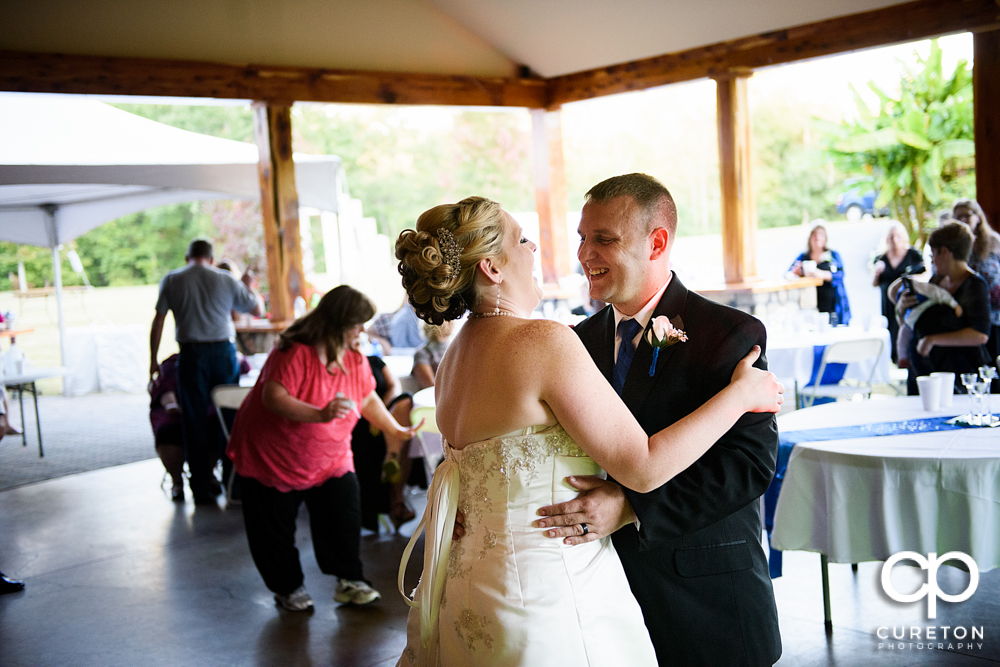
(535,53)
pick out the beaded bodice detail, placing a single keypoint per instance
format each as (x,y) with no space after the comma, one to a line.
(496,471)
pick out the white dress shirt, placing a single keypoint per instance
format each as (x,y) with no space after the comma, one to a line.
(642,317)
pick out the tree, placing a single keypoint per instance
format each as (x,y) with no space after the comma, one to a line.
(919,148)
(793,174)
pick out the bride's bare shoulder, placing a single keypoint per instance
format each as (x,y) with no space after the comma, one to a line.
(546,334)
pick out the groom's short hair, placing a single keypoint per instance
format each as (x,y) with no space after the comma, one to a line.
(652,197)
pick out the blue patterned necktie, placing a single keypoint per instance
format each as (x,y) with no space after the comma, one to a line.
(627,329)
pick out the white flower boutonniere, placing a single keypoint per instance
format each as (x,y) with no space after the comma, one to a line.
(660,335)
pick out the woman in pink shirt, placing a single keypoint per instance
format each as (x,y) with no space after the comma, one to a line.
(291,443)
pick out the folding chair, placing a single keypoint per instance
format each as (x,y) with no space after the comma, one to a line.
(431,459)
(229,396)
(844,352)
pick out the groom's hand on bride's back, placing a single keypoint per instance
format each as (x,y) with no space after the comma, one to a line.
(601,506)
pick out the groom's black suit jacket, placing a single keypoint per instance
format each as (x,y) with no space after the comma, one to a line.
(696,564)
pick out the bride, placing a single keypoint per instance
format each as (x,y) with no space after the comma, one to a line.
(521,406)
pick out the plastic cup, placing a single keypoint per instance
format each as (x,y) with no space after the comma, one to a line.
(930,392)
(947,388)
(808,267)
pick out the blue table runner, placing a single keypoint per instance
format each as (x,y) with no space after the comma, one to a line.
(788,440)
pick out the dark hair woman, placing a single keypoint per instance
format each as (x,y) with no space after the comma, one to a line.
(291,443)
(942,339)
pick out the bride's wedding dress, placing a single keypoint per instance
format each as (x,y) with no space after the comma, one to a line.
(506,594)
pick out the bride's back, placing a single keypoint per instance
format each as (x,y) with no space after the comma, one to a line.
(488,383)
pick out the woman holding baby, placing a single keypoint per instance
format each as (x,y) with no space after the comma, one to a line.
(948,335)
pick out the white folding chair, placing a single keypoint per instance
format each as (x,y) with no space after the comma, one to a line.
(844,352)
(431,458)
(229,396)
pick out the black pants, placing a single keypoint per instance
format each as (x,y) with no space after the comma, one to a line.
(334,520)
(203,366)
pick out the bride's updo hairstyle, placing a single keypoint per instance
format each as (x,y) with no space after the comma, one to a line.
(438,260)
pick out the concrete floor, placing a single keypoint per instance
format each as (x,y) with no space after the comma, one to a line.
(118,575)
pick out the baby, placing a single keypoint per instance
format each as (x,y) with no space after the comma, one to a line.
(927,295)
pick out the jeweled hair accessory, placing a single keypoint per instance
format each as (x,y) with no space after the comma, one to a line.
(450,251)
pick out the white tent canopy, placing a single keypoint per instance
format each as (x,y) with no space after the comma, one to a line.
(70,164)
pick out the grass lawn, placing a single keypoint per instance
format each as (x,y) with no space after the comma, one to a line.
(121,306)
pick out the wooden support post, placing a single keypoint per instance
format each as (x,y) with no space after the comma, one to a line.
(739,208)
(550,193)
(279,204)
(986,101)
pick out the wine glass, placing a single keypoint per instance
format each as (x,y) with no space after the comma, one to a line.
(988,374)
(980,396)
(969,379)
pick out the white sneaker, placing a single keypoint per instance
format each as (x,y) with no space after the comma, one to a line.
(355,592)
(297,600)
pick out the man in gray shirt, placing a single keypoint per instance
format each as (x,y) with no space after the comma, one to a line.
(202,299)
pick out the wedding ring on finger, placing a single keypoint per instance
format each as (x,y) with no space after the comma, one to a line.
(585,529)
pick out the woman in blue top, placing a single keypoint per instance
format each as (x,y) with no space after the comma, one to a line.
(831,296)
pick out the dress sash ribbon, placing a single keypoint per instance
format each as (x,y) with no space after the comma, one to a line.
(439,520)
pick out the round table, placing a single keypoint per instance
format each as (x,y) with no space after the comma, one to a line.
(865,499)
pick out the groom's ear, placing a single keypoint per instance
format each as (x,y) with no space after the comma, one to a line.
(659,242)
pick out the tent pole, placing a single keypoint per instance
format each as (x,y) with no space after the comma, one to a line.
(50,213)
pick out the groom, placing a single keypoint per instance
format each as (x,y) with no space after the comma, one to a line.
(691,549)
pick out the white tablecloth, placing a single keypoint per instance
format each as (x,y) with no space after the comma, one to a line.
(107,358)
(865,499)
(790,354)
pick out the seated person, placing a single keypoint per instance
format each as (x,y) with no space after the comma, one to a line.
(368,445)
(427,358)
(165,418)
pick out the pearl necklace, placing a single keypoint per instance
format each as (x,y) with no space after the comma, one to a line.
(496,313)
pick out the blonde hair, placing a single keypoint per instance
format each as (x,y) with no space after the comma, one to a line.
(436,290)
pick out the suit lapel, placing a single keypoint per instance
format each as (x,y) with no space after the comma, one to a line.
(600,341)
(639,381)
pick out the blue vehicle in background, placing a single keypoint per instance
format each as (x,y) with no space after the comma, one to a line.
(858,200)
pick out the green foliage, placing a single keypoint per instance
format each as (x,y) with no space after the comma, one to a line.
(792,173)
(133,250)
(140,248)
(37,266)
(399,164)
(919,147)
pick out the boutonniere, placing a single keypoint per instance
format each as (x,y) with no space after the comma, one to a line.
(662,334)
(826,257)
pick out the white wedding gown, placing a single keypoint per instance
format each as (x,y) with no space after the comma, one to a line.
(506,594)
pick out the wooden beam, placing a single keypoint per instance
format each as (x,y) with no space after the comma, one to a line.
(98,75)
(279,204)
(739,208)
(986,101)
(891,25)
(551,200)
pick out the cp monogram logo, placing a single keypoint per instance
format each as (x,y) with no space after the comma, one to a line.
(930,589)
